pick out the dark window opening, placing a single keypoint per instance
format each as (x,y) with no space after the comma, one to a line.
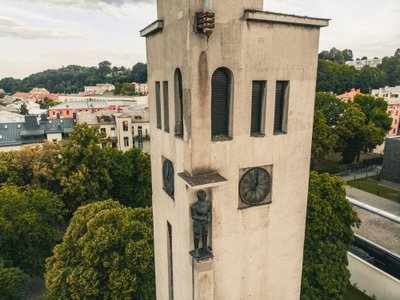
(125,125)
(281,107)
(220,102)
(166,106)
(178,103)
(126,141)
(158,105)
(257,105)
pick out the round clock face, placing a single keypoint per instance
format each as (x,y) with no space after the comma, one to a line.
(168,177)
(254,186)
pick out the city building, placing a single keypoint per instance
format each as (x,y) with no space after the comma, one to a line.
(100,88)
(123,130)
(141,88)
(39,91)
(349,96)
(232,91)
(68,110)
(391,96)
(92,97)
(391,160)
(36,96)
(359,64)
(17,131)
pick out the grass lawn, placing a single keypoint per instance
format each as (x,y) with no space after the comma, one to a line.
(373,186)
(354,294)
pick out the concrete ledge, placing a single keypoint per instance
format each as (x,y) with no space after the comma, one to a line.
(152,28)
(272,17)
(202,181)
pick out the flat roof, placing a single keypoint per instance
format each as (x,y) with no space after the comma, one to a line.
(274,17)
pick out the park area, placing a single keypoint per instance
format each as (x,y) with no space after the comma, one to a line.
(374,186)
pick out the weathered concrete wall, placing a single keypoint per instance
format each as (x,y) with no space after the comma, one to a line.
(391,160)
(372,280)
(257,251)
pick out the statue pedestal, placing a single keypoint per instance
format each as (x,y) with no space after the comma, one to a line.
(203,278)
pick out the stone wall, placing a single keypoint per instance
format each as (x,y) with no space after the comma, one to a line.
(391,160)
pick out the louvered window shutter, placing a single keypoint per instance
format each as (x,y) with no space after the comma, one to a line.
(220,103)
(256,106)
(279,99)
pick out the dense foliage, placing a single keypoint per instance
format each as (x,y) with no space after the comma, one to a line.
(107,253)
(13,282)
(28,226)
(335,76)
(330,217)
(348,128)
(73,78)
(80,171)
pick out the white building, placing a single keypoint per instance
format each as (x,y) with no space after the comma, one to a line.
(125,129)
(141,88)
(83,98)
(390,94)
(39,91)
(100,88)
(359,64)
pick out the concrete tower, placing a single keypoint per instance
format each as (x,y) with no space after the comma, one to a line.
(231,96)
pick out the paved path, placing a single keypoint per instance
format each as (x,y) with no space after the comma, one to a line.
(373,200)
(362,174)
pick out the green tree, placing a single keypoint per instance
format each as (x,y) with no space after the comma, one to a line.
(347,54)
(356,134)
(375,110)
(330,106)
(323,140)
(370,78)
(334,77)
(28,226)
(23,110)
(139,73)
(397,52)
(329,233)
(104,68)
(85,168)
(13,282)
(131,177)
(107,253)
(391,67)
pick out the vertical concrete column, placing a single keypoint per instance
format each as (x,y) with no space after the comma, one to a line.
(203,280)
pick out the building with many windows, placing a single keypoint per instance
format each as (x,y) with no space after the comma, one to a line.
(123,130)
(100,88)
(359,64)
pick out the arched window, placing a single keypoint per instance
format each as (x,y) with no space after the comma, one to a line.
(221,85)
(178,103)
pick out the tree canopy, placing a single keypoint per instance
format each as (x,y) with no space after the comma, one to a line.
(329,233)
(13,282)
(106,253)
(73,78)
(28,226)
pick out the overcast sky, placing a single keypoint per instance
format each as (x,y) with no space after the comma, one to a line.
(40,34)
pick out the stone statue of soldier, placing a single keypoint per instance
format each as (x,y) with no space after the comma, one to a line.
(201,215)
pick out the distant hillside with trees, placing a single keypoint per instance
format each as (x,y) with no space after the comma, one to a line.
(335,76)
(73,78)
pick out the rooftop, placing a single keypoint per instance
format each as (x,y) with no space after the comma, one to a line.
(9,117)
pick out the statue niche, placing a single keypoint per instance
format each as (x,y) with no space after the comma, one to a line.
(201,216)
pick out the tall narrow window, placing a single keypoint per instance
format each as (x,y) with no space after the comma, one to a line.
(178,103)
(281,107)
(158,105)
(170,264)
(166,107)
(220,102)
(257,106)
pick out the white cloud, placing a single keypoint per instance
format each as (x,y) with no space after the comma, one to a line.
(91,4)
(13,28)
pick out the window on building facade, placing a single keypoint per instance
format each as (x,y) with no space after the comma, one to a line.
(221,84)
(126,141)
(166,106)
(158,105)
(257,107)
(1,136)
(103,132)
(281,107)
(125,125)
(178,103)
